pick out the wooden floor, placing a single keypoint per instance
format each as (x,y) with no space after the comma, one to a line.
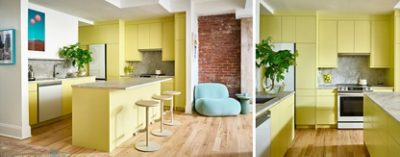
(328,143)
(198,136)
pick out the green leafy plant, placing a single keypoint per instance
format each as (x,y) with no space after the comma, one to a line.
(276,63)
(78,57)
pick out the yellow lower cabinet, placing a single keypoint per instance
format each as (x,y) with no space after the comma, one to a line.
(67,92)
(381,131)
(326,107)
(33,103)
(282,126)
(305,107)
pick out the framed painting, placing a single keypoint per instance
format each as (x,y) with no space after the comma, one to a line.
(7,46)
(36,30)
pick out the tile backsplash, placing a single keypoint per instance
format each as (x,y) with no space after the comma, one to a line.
(152,60)
(352,68)
(44,68)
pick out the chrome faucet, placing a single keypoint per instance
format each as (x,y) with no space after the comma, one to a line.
(54,69)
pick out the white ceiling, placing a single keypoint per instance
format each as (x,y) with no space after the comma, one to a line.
(353,6)
(99,10)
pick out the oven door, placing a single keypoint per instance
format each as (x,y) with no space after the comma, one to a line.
(350,107)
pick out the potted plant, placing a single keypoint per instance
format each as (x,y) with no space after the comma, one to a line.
(273,64)
(77,56)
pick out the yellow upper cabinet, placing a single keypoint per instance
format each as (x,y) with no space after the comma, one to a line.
(305,29)
(362,36)
(271,26)
(327,44)
(155,35)
(168,41)
(143,36)
(354,36)
(380,44)
(288,29)
(150,35)
(306,66)
(131,46)
(345,36)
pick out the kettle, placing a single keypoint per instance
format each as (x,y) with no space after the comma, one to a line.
(31,74)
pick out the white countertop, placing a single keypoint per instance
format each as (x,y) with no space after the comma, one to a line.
(388,101)
(46,80)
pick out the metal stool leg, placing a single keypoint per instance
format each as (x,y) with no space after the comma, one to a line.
(147,146)
(171,110)
(161,132)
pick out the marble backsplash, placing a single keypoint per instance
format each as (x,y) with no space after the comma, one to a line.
(44,68)
(152,61)
(352,68)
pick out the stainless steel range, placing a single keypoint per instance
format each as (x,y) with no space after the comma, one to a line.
(350,105)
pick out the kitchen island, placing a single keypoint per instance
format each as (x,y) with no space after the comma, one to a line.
(105,114)
(382,123)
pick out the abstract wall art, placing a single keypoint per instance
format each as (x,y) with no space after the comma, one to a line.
(7,46)
(36,30)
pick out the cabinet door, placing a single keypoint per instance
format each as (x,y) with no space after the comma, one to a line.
(155,36)
(143,36)
(180,58)
(327,45)
(305,110)
(345,36)
(305,29)
(306,66)
(168,41)
(362,37)
(380,45)
(271,26)
(131,47)
(288,28)
(326,109)
(33,103)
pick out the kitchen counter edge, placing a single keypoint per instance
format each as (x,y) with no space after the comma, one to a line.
(261,108)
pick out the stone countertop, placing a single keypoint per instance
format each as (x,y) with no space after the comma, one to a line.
(261,108)
(49,80)
(121,84)
(388,101)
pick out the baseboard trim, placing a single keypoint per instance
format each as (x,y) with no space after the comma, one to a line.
(12,131)
(51,121)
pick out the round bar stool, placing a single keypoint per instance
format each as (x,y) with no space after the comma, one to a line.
(147,146)
(162,132)
(172,122)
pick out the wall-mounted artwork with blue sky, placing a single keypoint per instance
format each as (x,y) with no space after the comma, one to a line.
(36,30)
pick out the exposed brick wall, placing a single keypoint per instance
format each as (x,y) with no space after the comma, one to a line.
(219,51)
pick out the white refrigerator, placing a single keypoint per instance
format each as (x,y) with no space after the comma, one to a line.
(98,67)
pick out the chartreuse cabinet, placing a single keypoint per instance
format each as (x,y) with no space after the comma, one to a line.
(66,96)
(148,34)
(326,110)
(305,84)
(354,36)
(380,44)
(180,59)
(327,44)
(381,131)
(33,108)
(282,126)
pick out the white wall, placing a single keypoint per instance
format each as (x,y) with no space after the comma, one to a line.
(60,30)
(14,119)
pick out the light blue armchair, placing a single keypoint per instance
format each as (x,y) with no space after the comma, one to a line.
(212,99)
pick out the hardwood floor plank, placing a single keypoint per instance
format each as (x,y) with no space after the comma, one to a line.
(197,136)
(327,143)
